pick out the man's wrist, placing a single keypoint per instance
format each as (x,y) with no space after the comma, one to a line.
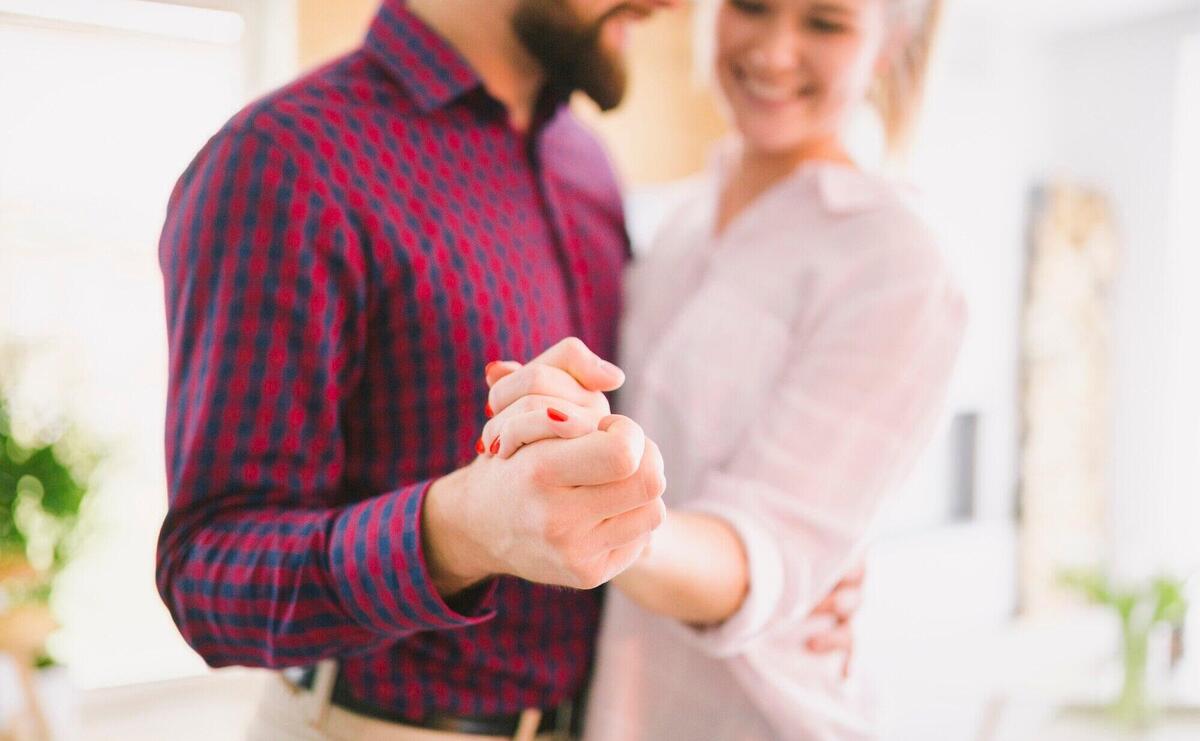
(454,563)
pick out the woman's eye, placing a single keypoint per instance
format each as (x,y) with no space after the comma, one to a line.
(749,7)
(821,25)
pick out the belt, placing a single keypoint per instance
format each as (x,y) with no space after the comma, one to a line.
(561,719)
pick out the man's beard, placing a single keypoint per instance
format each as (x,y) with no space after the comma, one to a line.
(569,51)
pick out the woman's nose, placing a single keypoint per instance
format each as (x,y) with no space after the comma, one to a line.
(777,49)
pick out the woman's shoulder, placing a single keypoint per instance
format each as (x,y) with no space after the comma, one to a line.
(879,220)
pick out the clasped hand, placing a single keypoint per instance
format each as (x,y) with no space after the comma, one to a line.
(574,510)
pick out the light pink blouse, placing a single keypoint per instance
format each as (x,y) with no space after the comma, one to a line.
(790,369)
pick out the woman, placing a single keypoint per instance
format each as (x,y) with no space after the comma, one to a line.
(787,343)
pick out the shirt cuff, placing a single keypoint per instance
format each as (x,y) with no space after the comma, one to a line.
(379,569)
(765,570)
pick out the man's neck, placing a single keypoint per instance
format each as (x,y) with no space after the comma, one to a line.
(481,31)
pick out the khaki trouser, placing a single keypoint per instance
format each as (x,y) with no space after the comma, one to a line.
(290,713)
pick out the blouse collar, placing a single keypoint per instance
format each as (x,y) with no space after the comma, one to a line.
(843,189)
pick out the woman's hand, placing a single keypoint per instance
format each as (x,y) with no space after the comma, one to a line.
(558,394)
(533,418)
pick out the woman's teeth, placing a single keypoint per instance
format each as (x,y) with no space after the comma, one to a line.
(772,93)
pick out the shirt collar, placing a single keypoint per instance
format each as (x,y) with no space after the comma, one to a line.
(842,189)
(417,57)
(847,190)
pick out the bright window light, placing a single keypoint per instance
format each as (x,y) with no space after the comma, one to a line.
(138,16)
(96,124)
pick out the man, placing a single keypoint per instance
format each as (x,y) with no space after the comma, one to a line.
(340,261)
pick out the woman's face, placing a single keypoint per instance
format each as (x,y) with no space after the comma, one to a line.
(792,71)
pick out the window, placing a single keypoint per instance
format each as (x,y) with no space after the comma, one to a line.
(102,105)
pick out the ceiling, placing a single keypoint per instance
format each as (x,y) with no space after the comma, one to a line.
(1056,16)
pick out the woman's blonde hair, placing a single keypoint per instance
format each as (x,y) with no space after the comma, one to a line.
(900,88)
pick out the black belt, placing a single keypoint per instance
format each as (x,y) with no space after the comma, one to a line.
(561,718)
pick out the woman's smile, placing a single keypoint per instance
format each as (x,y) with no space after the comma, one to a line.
(770,89)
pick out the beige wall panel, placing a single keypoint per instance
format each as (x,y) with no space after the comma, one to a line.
(662,131)
(667,125)
(328,28)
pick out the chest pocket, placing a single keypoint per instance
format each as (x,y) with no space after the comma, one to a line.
(714,369)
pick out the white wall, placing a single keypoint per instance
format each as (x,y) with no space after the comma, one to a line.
(1184,261)
(1010,108)
(1113,125)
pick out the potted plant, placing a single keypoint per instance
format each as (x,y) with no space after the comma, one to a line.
(1139,609)
(41,493)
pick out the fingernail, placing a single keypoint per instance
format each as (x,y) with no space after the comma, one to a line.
(495,446)
(609,367)
(488,368)
(479,446)
(556,415)
(487,409)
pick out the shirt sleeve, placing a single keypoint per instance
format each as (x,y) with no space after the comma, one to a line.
(265,557)
(856,403)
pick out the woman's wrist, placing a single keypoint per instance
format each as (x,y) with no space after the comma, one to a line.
(694,570)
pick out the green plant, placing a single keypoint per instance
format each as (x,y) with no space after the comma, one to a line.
(1139,608)
(41,495)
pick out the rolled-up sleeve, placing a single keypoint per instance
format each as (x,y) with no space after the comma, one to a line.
(857,401)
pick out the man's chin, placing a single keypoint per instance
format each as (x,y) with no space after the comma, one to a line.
(575,55)
(598,75)
(607,93)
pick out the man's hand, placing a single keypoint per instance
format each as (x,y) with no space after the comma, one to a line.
(572,512)
(842,605)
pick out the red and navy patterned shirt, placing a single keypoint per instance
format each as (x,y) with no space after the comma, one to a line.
(340,262)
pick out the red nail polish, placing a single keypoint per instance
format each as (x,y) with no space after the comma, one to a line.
(487,409)
(495,446)
(556,415)
(479,446)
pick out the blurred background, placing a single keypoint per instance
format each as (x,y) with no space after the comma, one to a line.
(1058,156)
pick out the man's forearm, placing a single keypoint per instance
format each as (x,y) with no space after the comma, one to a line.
(695,570)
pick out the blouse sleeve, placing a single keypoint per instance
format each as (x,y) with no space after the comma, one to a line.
(863,384)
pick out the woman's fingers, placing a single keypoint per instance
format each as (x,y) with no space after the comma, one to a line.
(842,603)
(846,598)
(846,602)
(837,638)
(523,429)
(538,404)
(855,576)
(825,606)
(542,380)
(498,369)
